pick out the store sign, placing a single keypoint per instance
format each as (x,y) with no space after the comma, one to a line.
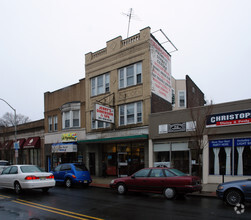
(238,142)
(231,118)
(221,143)
(178,127)
(104,113)
(69,137)
(64,148)
(160,71)
(163,129)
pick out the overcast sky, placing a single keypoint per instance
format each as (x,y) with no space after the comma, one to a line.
(43,44)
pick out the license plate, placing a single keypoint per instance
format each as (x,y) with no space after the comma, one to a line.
(85,181)
(42,178)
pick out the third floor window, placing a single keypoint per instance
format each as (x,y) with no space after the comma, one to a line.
(130,75)
(100,84)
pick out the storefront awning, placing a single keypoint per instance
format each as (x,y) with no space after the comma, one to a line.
(8,144)
(21,143)
(33,142)
(115,139)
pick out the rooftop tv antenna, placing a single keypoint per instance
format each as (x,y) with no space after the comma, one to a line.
(129,15)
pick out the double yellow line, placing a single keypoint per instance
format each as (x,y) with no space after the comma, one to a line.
(55,210)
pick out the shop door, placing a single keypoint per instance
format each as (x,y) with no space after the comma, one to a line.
(92,163)
(122,164)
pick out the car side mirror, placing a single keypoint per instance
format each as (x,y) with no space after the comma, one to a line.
(133,177)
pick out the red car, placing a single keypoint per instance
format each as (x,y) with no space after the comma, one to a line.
(168,181)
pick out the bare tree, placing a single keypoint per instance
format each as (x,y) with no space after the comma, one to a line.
(199,118)
(8,119)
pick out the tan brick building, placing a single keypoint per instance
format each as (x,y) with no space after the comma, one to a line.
(125,82)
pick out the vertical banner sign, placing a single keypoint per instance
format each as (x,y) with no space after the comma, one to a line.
(160,71)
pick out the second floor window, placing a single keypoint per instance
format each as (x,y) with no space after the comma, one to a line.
(130,75)
(71,115)
(55,122)
(50,124)
(100,84)
(98,124)
(130,113)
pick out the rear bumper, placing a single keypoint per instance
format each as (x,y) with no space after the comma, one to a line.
(81,181)
(219,194)
(38,184)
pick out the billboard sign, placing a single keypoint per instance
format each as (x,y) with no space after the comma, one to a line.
(104,113)
(230,118)
(160,71)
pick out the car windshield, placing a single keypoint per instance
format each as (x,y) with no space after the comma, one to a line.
(80,167)
(177,172)
(31,169)
(4,163)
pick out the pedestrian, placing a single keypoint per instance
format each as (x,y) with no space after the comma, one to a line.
(104,167)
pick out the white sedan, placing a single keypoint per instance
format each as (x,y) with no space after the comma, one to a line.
(19,177)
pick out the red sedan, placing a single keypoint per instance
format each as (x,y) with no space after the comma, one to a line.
(168,181)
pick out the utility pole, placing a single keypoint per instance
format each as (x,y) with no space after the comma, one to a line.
(15,125)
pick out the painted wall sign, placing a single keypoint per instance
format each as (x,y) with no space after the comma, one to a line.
(69,137)
(104,113)
(230,118)
(221,143)
(161,71)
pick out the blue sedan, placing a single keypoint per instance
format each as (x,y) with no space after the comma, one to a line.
(235,192)
(72,173)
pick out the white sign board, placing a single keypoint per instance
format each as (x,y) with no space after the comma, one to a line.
(160,71)
(104,113)
(64,148)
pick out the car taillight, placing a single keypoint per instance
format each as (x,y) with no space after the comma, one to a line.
(50,177)
(31,178)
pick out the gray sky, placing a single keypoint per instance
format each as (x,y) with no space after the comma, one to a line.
(43,44)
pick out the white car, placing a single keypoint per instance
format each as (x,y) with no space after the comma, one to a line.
(19,177)
(3,164)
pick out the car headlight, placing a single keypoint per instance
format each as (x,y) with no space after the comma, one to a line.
(220,187)
(112,181)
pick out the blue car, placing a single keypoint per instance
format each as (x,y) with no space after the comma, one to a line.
(72,173)
(235,192)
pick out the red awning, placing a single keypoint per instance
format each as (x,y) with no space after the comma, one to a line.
(21,143)
(8,144)
(33,142)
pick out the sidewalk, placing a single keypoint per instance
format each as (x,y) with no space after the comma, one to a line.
(208,190)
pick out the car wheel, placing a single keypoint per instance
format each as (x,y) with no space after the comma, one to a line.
(45,190)
(169,193)
(233,197)
(17,188)
(68,183)
(121,189)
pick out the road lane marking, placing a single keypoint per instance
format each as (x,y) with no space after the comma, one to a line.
(5,197)
(55,210)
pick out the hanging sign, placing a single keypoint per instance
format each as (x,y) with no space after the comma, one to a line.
(104,113)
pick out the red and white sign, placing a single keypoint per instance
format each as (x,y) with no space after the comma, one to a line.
(161,71)
(104,113)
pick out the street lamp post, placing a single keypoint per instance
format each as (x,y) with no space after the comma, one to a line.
(15,125)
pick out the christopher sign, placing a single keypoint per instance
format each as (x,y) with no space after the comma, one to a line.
(230,118)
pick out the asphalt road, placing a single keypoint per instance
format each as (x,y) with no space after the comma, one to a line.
(97,203)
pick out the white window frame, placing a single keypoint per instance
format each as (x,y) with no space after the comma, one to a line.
(100,84)
(182,93)
(124,77)
(50,124)
(98,124)
(55,122)
(136,115)
(68,114)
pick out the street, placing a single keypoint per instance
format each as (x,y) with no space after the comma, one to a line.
(99,203)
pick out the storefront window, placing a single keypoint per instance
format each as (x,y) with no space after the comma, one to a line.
(230,157)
